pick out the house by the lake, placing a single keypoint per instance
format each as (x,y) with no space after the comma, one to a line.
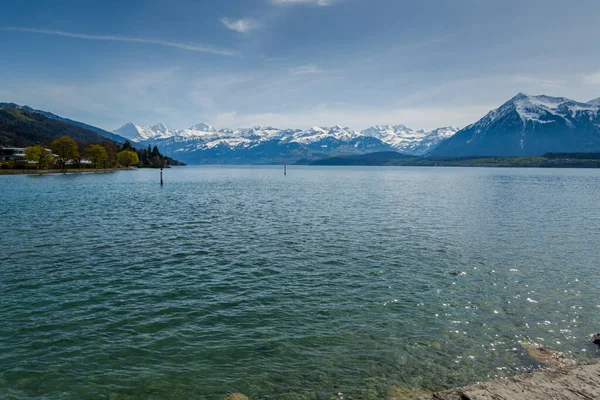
(12,154)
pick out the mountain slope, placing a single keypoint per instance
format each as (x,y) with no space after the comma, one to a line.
(109,135)
(22,128)
(529,126)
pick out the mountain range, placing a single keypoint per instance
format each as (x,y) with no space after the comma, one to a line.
(523,126)
(203,143)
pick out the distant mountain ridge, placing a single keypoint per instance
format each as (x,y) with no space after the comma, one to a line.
(202,143)
(109,135)
(529,126)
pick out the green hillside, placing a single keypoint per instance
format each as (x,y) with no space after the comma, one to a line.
(21,128)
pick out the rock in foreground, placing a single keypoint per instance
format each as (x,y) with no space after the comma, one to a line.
(568,383)
(236,396)
(546,356)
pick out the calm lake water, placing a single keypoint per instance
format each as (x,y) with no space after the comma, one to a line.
(329,280)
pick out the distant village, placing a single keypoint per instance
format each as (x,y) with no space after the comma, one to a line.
(66,153)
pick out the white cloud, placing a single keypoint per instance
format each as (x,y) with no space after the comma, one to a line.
(593,79)
(320,3)
(541,82)
(243,25)
(184,46)
(306,70)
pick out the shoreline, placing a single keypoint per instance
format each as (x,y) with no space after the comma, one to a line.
(57,171)
(574,382)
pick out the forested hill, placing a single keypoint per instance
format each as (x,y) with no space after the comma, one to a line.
(109,135)
(21,128)
(548,160)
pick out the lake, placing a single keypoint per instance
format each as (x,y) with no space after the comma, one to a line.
(328,280)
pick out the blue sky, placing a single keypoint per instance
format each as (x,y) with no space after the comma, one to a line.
(294,63)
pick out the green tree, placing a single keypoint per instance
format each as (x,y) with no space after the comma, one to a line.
(38,155)
(128,158)
(97,154)
(80,154)
(127,146)
(66,150)
(111,151)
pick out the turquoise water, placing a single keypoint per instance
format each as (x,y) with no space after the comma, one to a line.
(326,281)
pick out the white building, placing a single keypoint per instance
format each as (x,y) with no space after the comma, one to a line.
(12,154)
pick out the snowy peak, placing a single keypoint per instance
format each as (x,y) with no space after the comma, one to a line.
(139,133)
(529,125)
(131,131)
(317,134)
(202,135)
(163,131)
(539,109)
(444,132)
(160,127)
(317,129)
(202,127)
(535,108)
(408,140)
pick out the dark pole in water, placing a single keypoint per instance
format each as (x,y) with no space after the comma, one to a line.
(284,170)
(161,179)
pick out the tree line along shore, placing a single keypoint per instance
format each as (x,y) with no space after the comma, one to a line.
(65,153)
(548,160)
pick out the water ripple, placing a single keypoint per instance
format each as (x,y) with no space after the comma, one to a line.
(327,281)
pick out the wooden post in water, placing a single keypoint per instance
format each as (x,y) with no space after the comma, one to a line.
(284,170)
(161,179)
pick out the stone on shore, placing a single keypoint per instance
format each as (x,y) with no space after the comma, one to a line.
(236,396)
(545,356)
(575,382)
(596,339)
(406,393)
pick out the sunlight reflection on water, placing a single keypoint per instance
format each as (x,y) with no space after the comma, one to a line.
(326,281)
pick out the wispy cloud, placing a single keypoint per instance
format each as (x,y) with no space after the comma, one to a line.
(592,79)
(243,25)
(541,82)
(184,46)
(320,3)
(306,70)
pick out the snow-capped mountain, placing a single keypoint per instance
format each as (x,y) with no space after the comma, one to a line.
(139,133)
(204,143)
(316,134)
(529,125)
(409,141)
